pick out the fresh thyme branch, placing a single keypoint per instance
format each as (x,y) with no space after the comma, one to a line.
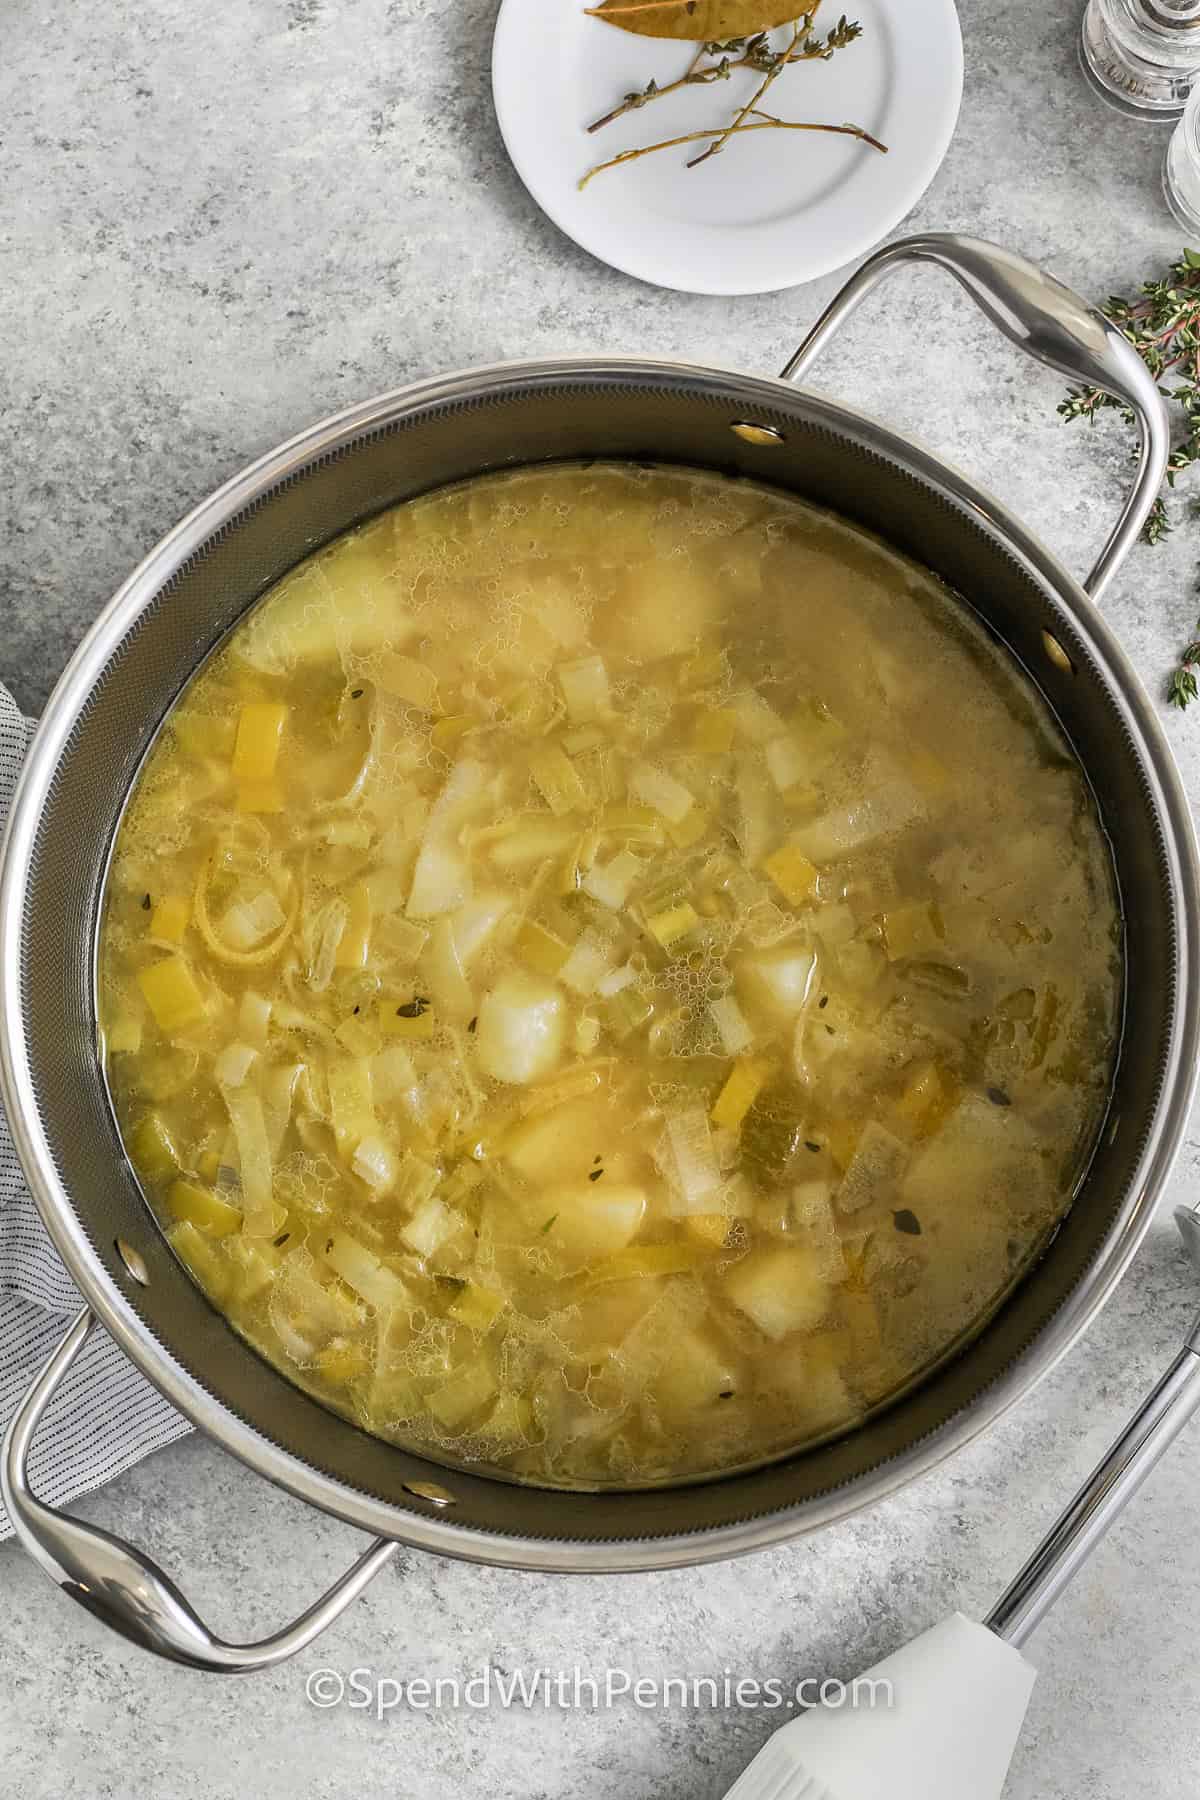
(723,57)
(740,53)
(1163,325)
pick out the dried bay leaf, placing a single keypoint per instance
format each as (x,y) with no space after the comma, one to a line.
(697,21)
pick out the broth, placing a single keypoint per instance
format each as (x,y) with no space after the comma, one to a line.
(608,974)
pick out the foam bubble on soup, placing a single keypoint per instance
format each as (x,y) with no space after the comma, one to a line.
(608,974)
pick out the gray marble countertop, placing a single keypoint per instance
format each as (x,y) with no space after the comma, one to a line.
(219,224)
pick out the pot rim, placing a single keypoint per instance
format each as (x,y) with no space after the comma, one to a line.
(429,1528)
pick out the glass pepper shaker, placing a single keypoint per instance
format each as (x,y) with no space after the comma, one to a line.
(1142,56)
(1181,169)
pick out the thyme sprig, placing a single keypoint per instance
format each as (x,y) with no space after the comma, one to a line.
(1163,325)
(777,65)
(741,53)
(755,53)
(763,122)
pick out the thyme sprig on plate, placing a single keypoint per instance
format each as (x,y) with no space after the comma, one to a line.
(763,122)
(755,52)
(1163,325)
(740,53)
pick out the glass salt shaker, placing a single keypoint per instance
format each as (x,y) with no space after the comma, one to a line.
(1142,56)
(1181,169)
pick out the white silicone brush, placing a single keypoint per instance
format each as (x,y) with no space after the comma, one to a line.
(959,1692)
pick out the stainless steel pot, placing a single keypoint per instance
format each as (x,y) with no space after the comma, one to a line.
(199,580)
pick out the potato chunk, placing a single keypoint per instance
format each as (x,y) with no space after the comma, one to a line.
(592,1219)
(695,1372)
(780,1290)
(522,1022)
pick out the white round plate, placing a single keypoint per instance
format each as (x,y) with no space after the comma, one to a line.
(774,208)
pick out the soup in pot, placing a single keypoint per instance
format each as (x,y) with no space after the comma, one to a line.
(608,974)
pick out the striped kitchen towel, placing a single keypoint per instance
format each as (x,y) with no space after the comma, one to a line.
(106,1416)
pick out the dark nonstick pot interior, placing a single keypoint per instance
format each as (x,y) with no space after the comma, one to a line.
(515,416)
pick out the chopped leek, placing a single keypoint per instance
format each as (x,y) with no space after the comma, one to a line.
(234,1064)
(350,1101)
(355,940)
(911,931)
(123,1035)
(656,789)
(464,1395)
(197,1253)
(753,809)
(693,1169)
(510,1420)
(742,1087)
(584,685)
(557,780)
(450,991)
(530,838)
(734,1029)
(639,825)
(374,1163)
(478,1307)
(415,1180)
(151,1149)
(929,1095)
(792,873)
(612,883)
(874,1170)
(673,923)
(202,1208)
(247,921)
(541,949)
(259,735)
(170,991)
(169,920)
(626,1011)
(429,1227)
(342,1360)
(650,1260)
(450,731)
(254,1017)
(360,1269)
(709,1228)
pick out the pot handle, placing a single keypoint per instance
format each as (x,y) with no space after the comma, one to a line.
(1046,319)
(123,1587)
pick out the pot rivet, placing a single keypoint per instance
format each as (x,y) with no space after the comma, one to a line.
(764,435)
(1057,654)
(133,1260)
(429,1490)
